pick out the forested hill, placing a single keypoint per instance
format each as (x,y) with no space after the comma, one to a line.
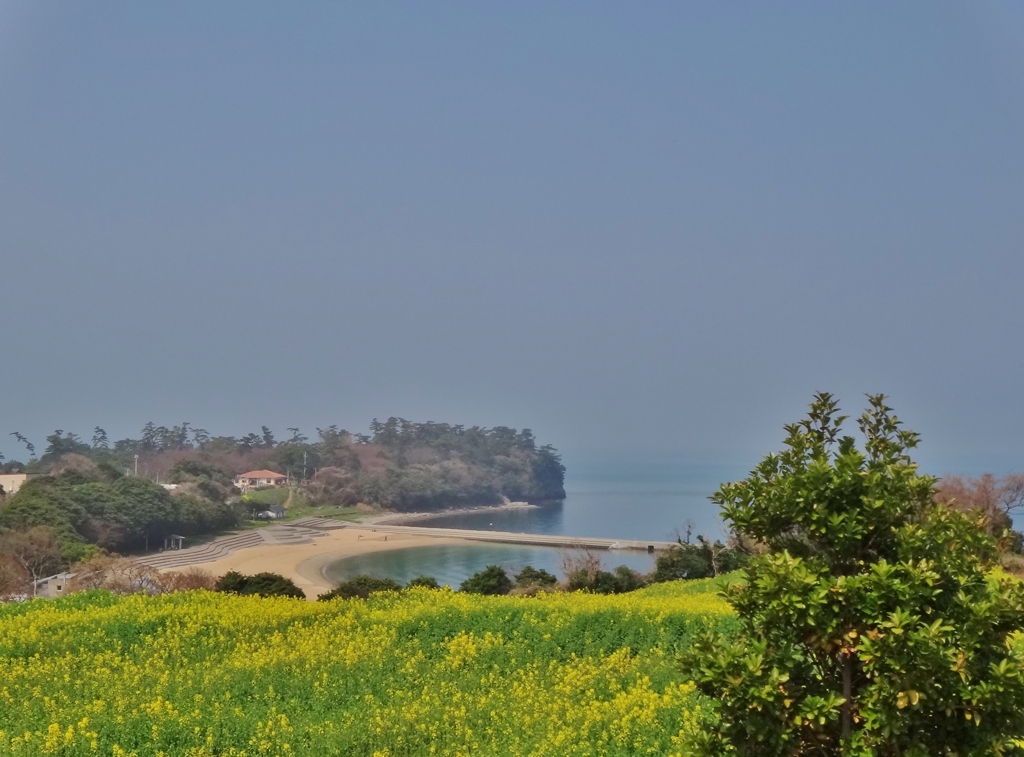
(399,465)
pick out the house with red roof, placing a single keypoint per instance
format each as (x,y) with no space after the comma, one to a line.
(259,479)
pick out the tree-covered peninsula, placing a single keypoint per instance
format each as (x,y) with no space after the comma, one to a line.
(108,493)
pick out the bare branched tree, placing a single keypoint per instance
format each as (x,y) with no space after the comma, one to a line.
(189,579)
(123,575)
(996,498)
(579,560)
(36,550)
(14,580)
(92,573)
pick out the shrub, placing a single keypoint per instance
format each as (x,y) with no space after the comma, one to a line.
(530,576)
(681,561)
(618,581)
(705,559)
(491,580)
(231,582)
(872,625)
(261,584)
(361,587)
(428,582)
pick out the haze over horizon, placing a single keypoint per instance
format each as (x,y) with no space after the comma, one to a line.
(650,231)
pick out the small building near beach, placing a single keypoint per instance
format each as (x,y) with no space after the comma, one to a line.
(54,586)
(259,479)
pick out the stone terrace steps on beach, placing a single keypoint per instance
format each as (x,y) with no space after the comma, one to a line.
(290,533)
(223,546)
(220,547)
(324,524)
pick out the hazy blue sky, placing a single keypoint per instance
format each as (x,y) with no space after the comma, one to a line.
(626,226)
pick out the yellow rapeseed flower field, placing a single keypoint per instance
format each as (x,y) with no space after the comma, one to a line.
(430,672)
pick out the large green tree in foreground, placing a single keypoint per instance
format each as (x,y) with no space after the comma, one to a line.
(872,623)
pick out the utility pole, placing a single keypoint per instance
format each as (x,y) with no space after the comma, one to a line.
(136,465)
(303,465)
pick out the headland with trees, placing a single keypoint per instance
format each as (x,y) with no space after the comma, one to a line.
(128,495)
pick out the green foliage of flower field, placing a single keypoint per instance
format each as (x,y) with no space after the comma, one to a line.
(420,672)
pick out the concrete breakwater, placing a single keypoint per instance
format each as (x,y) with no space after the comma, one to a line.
(508,537)
(306,530)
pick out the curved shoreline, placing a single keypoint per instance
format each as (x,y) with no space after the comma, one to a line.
(304,563)
(313,569)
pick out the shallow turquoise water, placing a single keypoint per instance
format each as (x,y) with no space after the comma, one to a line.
(639,501)
(452,564)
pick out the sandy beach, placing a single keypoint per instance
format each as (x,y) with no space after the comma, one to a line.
(304,563)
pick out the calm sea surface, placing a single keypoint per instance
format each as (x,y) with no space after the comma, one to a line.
(626,501)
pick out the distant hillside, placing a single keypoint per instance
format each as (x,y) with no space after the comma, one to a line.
(399,464)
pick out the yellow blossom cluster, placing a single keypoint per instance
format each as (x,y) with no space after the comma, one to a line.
(430,672)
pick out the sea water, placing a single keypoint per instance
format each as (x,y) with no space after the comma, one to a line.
(641,501)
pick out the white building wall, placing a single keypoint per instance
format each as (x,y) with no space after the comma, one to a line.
(11,482)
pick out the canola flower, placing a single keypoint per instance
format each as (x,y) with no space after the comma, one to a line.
(423,672)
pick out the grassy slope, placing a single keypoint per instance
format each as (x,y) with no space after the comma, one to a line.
(269,496)
(297,507)
(423,672)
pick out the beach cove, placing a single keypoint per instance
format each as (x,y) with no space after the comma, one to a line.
(304,563)
(632,502)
